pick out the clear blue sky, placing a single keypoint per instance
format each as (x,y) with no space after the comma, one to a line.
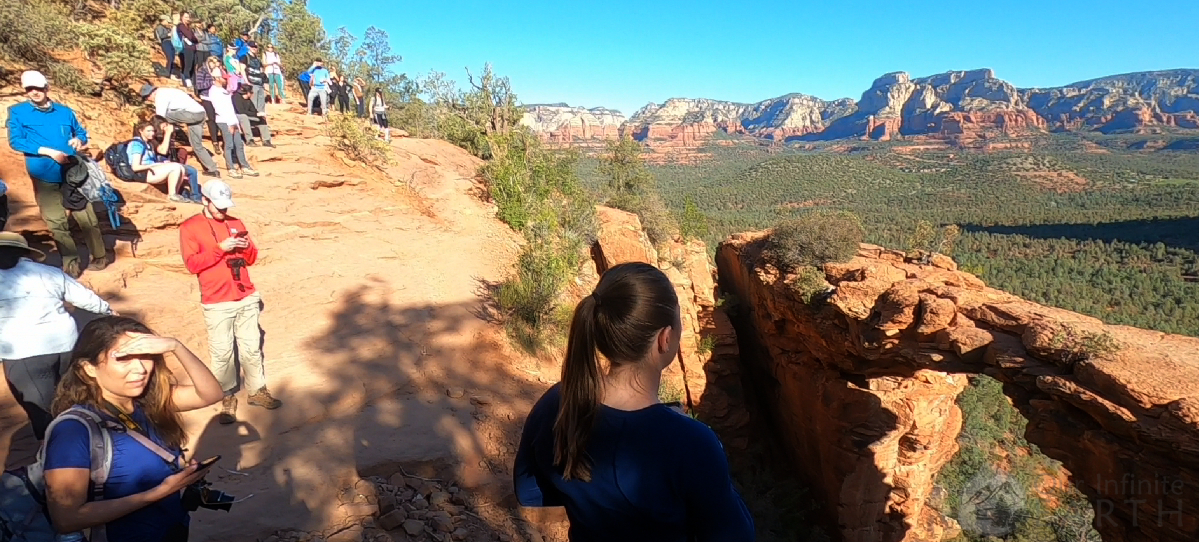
(625,53)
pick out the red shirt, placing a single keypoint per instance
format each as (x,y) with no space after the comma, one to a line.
(199,238)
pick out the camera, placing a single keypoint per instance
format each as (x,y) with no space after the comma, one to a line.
(201,495)
(235,265)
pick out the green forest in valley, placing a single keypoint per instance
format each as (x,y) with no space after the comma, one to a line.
(1091,227)
(1101,225)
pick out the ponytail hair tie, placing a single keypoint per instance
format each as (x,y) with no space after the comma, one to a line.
(595,298)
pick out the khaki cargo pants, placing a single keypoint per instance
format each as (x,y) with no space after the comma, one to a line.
(231,321)
(49,202)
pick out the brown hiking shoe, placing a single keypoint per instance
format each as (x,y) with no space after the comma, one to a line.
(100,264)
(262,398)
(228,408)
(72,270)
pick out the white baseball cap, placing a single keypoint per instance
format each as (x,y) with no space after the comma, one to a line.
(33,78)
(218,192)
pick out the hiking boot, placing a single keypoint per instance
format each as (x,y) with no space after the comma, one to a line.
(268,145)
(228,409)
(71,268)
(262,398)
(249,171)
(101,263)
(234,174)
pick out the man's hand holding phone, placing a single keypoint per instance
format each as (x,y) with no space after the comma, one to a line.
(234,242)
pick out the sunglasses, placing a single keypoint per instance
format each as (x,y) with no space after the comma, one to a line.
(31,89)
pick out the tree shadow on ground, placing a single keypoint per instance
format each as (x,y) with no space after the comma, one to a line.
(1173,232)
(428,389)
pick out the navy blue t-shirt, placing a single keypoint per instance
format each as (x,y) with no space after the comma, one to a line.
(656,475)
(134,469)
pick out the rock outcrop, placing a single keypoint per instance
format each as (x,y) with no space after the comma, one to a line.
(864,382)
(621,239)
(1128,102)
(779,118)
(955,105)
(560,123)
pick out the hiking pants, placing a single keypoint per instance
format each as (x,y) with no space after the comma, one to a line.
(49,202)
(33,381)
(3,211)
(323,94)
(168,53)
(247,127)
(361,109)
(189,62)
(276,86)
(210,115)
(193,179)
(258,97)
(236,321)
(195,136)
(235,147)
(305,88)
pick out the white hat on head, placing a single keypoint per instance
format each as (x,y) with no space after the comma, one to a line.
(33,78)
(218,192)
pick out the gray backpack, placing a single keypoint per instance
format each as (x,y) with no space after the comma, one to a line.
(23,513)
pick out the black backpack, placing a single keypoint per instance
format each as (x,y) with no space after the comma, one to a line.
(118,161)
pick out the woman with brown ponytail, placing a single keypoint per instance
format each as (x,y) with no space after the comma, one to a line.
(625,466)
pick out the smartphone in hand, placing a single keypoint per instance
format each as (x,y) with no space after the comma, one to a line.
(208,462)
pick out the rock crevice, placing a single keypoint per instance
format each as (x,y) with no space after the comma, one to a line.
(865,381)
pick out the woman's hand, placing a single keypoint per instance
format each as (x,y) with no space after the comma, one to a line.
(143,343)
(176,482)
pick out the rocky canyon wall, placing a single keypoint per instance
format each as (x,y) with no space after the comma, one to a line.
(863,383)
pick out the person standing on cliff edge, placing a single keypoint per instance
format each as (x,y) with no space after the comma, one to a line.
(49,135)
(217,249)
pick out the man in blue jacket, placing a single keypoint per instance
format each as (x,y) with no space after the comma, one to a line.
(49,134)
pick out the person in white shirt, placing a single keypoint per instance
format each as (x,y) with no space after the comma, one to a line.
(274,72)
(230,127)
(179,108)
(37,333)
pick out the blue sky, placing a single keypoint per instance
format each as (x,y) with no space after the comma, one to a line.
(625,53)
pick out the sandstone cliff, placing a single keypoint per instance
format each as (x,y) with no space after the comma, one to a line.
(1130,101)
(560,123)
(863,383)
(777,118)
(952,105)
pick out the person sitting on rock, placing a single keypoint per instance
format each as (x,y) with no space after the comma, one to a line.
(625,466)
(146,166)
(179,108)
(119,373)
(166,149)
(250,118)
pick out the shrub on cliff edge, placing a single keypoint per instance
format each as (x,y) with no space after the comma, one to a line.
(814,239)
(358,140)
(537,193)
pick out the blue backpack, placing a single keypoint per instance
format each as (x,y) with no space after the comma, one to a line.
(23,513)
(97,188)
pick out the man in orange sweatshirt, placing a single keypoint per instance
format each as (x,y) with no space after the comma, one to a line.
(217,248)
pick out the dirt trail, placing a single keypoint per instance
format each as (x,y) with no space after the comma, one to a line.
(371,314)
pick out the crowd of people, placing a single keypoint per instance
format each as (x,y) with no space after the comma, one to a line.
(600,442)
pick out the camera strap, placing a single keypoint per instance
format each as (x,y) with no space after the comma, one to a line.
(134,430)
